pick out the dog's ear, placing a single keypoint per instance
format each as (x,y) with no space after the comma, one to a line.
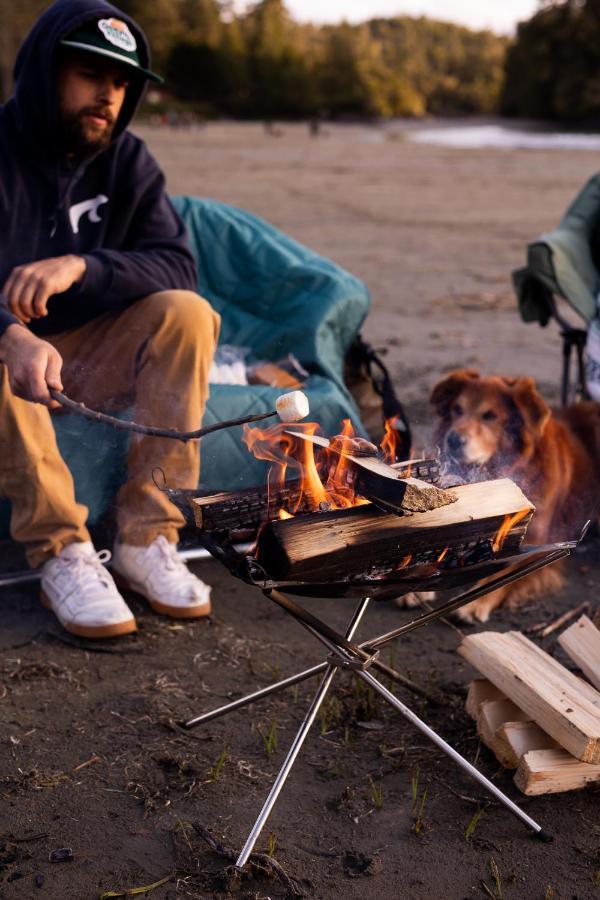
(531,405)
(446,390)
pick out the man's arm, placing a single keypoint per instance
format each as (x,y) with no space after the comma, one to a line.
(29,287)
(33,365)
(155,255)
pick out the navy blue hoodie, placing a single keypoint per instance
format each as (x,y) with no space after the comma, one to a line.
(133,241)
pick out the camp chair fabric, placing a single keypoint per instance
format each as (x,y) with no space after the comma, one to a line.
(276,297)
(561,264)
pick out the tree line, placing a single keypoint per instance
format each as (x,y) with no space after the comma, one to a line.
(553,66)
(262,64)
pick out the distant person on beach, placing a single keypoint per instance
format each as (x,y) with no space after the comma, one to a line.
(97,298)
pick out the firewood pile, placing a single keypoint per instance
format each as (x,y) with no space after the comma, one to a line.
(533,713)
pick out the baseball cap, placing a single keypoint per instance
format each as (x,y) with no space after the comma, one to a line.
(111,38)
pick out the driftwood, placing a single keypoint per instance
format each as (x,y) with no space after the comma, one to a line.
(335,544)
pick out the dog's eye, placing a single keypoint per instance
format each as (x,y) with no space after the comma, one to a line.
(489,415)
(457,409)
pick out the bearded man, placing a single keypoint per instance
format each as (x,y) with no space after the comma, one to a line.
(97,298)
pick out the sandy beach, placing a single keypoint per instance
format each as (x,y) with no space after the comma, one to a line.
(91,753)
(433,231)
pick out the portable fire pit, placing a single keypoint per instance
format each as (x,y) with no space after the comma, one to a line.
(468,539)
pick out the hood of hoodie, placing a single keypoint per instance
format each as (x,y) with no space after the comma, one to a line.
(34,106)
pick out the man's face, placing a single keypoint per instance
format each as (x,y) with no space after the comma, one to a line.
(90,92)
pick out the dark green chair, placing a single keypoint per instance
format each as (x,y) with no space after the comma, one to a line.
(276,297)
(560,265)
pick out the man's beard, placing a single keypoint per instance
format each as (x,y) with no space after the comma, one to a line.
(80,138)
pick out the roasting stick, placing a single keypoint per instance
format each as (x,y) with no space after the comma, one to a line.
(290,407)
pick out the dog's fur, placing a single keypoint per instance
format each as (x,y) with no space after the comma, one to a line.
(495,427)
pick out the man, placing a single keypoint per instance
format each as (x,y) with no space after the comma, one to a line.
(97,298)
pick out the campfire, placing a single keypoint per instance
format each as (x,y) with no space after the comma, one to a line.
(343,510)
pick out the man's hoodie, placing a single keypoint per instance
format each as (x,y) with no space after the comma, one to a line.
(112,209)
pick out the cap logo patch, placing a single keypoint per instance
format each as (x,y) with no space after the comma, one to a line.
(118,33)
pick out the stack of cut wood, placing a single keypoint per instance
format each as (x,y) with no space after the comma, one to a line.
(533,713)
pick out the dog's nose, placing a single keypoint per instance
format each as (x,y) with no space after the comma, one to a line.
(455,443)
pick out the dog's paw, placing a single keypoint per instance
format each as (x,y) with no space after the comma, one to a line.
(477,611)
(415,598)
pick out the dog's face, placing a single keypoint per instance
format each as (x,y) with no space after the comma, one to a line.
(487,422)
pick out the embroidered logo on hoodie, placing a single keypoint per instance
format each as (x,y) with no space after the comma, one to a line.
(86,206)
(118,33)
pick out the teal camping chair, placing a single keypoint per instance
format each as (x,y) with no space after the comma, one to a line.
(275,297)
(560,264)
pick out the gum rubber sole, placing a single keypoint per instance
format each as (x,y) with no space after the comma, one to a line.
(94,631)
(163,609)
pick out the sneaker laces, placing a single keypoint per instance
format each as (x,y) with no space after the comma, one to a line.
(168,556)
(84,571)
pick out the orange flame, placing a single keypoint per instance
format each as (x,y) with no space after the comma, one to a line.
(509,522)
(330,483)
(442,554)
(392,443)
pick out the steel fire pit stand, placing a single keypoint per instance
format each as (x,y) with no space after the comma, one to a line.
(361,659)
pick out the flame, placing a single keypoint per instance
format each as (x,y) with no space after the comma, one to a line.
(442,554)
(330,484)
(393,441)
(405,562)
(509,522)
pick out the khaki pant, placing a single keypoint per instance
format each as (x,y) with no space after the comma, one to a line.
(155,354)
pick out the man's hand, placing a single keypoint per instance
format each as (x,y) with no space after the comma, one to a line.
(33,365)
(29,287)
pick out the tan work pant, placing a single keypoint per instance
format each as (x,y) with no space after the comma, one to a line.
(155,354)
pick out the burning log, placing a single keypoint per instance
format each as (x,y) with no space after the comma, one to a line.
(376,480)
(246,510)
(337,544)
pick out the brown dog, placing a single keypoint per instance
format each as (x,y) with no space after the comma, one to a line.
(495,427)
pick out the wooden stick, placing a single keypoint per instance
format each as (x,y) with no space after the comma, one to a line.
(493,714)
(562,620)
(480,690)
(553,771)
(582,642)
(564,706)
(521,737)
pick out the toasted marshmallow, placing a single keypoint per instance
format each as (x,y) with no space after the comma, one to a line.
(292,407)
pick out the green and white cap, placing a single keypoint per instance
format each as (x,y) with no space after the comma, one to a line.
(111,38)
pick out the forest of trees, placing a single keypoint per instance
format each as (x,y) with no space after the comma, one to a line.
(553,66)
(263,64)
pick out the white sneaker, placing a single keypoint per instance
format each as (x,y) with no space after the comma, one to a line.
(82,594)
(158,574)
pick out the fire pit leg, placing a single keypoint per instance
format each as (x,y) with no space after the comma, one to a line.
(298,741)
(453,754)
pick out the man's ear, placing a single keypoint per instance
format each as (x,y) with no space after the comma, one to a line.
(446,391)
(531,406)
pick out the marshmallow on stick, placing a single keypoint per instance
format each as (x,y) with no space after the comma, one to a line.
(292,407)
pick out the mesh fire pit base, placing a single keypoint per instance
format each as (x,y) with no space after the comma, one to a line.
(480,578)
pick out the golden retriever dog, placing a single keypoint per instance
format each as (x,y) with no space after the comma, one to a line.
(496,427)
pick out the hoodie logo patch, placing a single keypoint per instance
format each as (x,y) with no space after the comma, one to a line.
(118,33)
(86,206)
